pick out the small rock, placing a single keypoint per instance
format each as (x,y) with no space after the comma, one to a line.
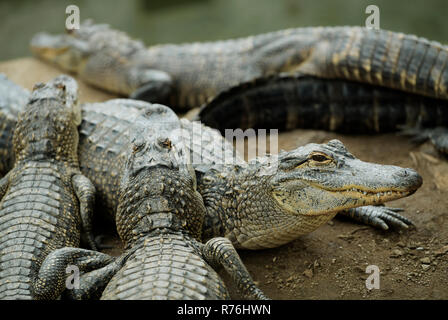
(420,249)
(425,267)
(308,273)
(441,251)
(425,260)
(346,237)
(401,244)
(396,253)
(331,223)
(274,259)
(333,260)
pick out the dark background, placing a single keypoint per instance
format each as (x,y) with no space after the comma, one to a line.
(164,21)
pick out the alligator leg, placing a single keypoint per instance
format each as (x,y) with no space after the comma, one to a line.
(378,217)
(220,252)
(92,284)
(85,191)
(4,184)
(438,137)
(152,85)
(52,276)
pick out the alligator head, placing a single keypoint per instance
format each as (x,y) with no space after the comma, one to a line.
(71,51)
(101,56)
(158,187)
(48,124)
(309,186)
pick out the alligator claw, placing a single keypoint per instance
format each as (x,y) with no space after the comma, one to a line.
(379,217)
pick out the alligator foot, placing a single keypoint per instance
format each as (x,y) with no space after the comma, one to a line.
(378,217)
(52,277)
(220,252)
(438,137)
(92,284)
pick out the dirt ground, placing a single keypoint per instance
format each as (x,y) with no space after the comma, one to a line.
(330,263)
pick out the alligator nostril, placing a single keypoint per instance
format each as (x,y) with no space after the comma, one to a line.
(404,173)
(411,176)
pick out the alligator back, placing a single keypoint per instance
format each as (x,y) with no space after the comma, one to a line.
(160,216)
(39,209)
(38,214)
(166,266)
(388,59)
(294,101)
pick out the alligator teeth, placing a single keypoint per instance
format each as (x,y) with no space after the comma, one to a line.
(377,194)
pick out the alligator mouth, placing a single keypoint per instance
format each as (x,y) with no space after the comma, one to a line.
(376,196)
(364,197)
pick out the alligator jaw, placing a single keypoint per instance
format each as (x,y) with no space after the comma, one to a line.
(365,198)
(375,196)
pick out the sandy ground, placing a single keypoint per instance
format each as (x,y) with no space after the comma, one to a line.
(330,263)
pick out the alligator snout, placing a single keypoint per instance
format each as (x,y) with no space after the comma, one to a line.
(410,178)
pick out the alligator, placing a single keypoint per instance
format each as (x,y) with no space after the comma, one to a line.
(188,75)
(294,101)
(13,98)
(45,200)
(159,219)
(104,133)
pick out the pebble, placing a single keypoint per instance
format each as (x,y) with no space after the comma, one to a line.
(425,260)
(396,253)
(441,251)
(308,273)
(425,267)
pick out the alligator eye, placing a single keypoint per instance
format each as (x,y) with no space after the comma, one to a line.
(137,147)
(165,143)
(322,158)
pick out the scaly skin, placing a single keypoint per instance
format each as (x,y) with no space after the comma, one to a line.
(104,133)
(44,198)
(190,74)
(159,220)
(287,102)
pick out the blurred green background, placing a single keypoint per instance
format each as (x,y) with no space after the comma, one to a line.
(164,21)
